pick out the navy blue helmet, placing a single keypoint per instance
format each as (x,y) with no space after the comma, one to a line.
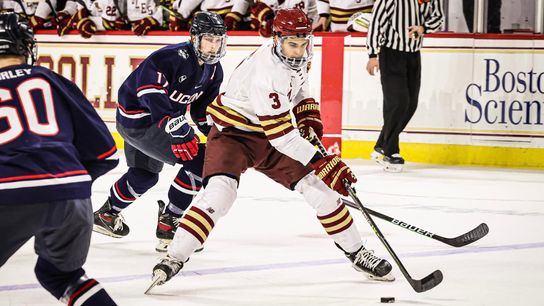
(16,36)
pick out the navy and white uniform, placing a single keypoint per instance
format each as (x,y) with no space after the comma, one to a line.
(53,144)
(165,84)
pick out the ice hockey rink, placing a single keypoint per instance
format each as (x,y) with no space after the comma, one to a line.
(271,250)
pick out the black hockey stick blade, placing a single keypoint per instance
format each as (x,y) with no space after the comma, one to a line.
(428,282)
(467,238)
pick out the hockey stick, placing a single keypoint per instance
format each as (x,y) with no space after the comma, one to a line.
(467,238)
(419,285)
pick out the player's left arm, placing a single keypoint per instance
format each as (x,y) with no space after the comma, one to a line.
(272,107)
(434,18)
(92,139)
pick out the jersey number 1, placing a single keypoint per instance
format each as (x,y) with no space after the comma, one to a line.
(11,115)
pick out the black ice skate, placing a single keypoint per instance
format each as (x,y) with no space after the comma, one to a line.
(164,271)
(166,228)
(374,267)
(167,225)
(108,223)
(393,163)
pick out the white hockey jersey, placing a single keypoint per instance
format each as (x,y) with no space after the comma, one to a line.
(341,10)
(308,6)
(259,97)
(186,7)
(130,10)
(28,6)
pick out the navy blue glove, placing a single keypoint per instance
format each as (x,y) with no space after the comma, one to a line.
(182,137)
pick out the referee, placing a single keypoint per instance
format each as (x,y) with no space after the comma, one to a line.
(394,39)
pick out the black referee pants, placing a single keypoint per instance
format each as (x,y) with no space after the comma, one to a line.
(401,79)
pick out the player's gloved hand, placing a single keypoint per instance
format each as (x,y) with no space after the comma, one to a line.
(84,24)
(115,25)
(86,27)
(142,26)
(308,117)
(37,22)
(177,24)
(335,173)
(63,22)
(262,17)
(232,20)
(182,137)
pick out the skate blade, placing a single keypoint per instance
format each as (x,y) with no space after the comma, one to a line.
(386,278)
(392,168)
(158,279)
(101,230)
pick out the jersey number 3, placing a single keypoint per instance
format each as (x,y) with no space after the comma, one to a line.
(275,100)
(40,87)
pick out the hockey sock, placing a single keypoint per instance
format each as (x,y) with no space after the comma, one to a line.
(71,287)
(130,187)
(182,191)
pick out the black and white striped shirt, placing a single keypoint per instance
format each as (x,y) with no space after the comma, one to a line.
(392,18)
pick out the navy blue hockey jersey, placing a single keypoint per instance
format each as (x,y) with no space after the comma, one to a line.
(52,141)
(165,84)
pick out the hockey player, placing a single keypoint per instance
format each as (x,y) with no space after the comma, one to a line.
(253,119)
(263,12)
(153,102)
(184,9)
(339,13)
(53,145)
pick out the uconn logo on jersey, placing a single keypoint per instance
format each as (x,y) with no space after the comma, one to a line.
(179,97)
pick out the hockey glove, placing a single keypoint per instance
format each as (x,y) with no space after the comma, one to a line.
(38,22)
(142,26)
(86,27)
(63,23)
(262,17)
(177,24)
(335,173)
(232,20)
(182,137)
(308,117)
(115,25)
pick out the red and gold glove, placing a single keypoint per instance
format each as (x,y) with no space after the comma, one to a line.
(142,26)
(63,22)
(335,173)
(116,25)
(86,27)
(37,22)
(177,24)
(308,117)
(232,20)
(262,17)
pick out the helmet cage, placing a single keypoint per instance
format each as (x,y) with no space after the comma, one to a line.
(295,62)
(210,58)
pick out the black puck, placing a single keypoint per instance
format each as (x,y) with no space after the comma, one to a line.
(387,299)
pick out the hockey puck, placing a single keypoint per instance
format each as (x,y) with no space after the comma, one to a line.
(387,299)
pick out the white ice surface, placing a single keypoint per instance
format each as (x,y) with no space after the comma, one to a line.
(271,250)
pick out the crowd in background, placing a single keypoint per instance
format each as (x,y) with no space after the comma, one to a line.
(88,17)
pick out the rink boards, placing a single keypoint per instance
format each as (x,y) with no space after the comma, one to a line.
(481,99)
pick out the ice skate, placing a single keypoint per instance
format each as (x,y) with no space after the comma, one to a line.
(164,271)
(374,267)
(167,225)
(108,223)
(393,163)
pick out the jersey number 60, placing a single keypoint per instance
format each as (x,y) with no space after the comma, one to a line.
(10,113)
